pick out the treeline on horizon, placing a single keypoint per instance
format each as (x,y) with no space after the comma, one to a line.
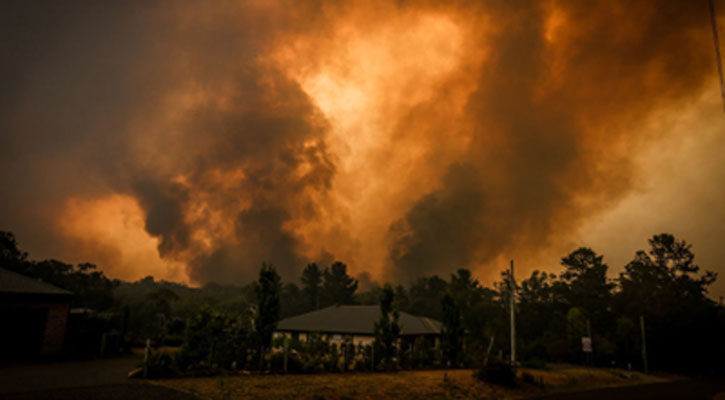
(663,285)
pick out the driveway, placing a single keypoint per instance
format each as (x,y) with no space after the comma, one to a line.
(134,391)
(91,379)
(691,389)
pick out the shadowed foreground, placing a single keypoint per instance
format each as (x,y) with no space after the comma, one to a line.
(695,389)
(88,379)
(135,391)
(60,375)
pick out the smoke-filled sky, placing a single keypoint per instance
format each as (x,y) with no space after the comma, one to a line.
(193,140)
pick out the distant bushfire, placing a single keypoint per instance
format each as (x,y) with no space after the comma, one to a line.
(192,142)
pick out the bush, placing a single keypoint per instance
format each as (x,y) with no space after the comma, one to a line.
(497,372)
(215,339)
(294,362)
(161,365)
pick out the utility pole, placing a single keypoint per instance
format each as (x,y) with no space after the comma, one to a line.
(644,344)
(512,305)
(488,352)
(713,20)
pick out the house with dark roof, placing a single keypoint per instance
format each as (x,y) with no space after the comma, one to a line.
(354,324)
(33,315)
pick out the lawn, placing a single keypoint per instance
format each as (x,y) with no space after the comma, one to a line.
(403,385)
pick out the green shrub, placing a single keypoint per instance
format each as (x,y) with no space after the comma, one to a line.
(215,338)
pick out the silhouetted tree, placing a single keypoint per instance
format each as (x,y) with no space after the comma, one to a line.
(292,301)
(387,328)
(452,332)
(11,257)
(666,287)
(92,289)
(586,287)
(543,310)
(425,296)
(312,285)
(464,288)
(586,280)
(469,297)
(402,302)
(370,297)
(665,276)
(267,290)
(339,287)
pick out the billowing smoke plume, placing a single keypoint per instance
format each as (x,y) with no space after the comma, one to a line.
(404,139)
(174,107)
(557,113)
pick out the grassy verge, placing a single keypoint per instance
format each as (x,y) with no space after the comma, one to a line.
(404,385)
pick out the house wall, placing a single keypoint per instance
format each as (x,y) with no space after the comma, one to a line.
(26,320)
(55,328)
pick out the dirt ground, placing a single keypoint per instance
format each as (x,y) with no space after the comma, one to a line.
(403,385)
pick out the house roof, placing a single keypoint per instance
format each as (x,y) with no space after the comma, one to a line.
(355,320)
(14,283)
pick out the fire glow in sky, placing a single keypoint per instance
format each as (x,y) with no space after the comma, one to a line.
(192,141)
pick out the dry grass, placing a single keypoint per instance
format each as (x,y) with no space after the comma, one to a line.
(403,385)
(576,378)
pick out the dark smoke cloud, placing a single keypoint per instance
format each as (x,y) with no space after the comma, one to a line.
(87,77)
(551,120)
(70,82)
(441,228)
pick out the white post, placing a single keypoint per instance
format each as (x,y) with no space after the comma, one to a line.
(713,20)
(146,358)
(488,352)
(512,287)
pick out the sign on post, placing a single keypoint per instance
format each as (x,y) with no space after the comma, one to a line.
(586,344)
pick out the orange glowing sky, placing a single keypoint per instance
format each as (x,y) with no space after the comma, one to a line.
(191,142)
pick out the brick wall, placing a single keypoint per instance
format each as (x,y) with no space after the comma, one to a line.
(55,328)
